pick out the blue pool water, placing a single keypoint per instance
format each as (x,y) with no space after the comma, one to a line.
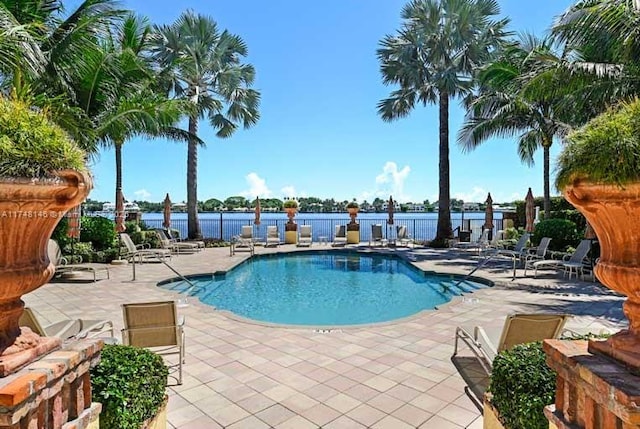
(324,289)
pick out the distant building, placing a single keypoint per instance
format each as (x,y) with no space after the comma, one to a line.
(471,206)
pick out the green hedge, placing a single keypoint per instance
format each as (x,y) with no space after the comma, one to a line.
(521,386)
(563,233)
(130,384)
(99,231)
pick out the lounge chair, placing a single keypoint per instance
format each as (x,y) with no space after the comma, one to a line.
(273,237)
(519,252)
(306,237)
(340,236)
(201,244)
(244,241)
(402,236)
(155,325)
(376,236)
(62,267)
(142,252)
(480,245)
(570,263)
(175,246)
(66,329)
(486,343)
(496,240)
(537,253)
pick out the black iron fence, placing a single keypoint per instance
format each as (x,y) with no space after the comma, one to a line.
(322,229)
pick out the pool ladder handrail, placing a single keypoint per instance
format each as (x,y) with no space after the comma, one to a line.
(191,284)
(481,264)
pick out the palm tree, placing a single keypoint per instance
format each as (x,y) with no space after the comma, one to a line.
(521,95)
(605,35)
(118,92)
(434,57)
(58,47)
(204,66)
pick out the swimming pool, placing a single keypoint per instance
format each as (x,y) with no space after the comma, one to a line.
(324,289)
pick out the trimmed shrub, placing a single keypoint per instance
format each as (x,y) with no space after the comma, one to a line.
(522,385)
(98,230)
(31,145)
(562,232)
(606,150)
(130,383)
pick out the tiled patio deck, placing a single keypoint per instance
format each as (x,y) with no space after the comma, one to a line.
(399,375)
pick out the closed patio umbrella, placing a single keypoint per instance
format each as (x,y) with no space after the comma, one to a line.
(166,222)
(256,221)
(488,213)
(73,224)
(529,210)
(390,211)
(589,232)
(120,227)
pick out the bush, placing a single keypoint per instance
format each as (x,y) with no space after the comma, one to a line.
(98,230)
(290,204)
(31,145)
(606,150)
(562,232)
(521,386)
(76,252)
(130,384)
(60,233)
(145,237)
(557,204)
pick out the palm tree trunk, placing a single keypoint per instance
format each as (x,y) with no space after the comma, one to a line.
(193,226)
(118,150)
(547,192)
(444,200)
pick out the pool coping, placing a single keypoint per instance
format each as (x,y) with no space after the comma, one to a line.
(326,329)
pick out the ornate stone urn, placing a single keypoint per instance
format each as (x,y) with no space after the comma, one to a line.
(613,212)
(291,228)
(30,209)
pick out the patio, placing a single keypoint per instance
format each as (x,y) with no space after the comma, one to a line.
(399,375)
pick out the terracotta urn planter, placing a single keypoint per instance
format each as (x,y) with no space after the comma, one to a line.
(29,211)
(613,212)
(291,213)
(353,213)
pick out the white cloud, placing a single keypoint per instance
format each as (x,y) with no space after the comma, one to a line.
(142,195)
(257,187)
(476,195)
(389,182)
(289,191)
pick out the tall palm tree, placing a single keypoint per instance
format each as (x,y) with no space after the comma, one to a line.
(433,58)
(119,95)
(203,65)
(521,96)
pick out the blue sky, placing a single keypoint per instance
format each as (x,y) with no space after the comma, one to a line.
(319,133)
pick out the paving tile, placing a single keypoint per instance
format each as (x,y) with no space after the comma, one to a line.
(385,403)
(457,415)
(343,403)
(250,422)
(203,422)
(275,415)
(428,403)
(320,414)
(299,402)
(366,415)
(390,422)
(297,422)
(256,403)
(440,423)
(411,415)
(227,415)
(344,422)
